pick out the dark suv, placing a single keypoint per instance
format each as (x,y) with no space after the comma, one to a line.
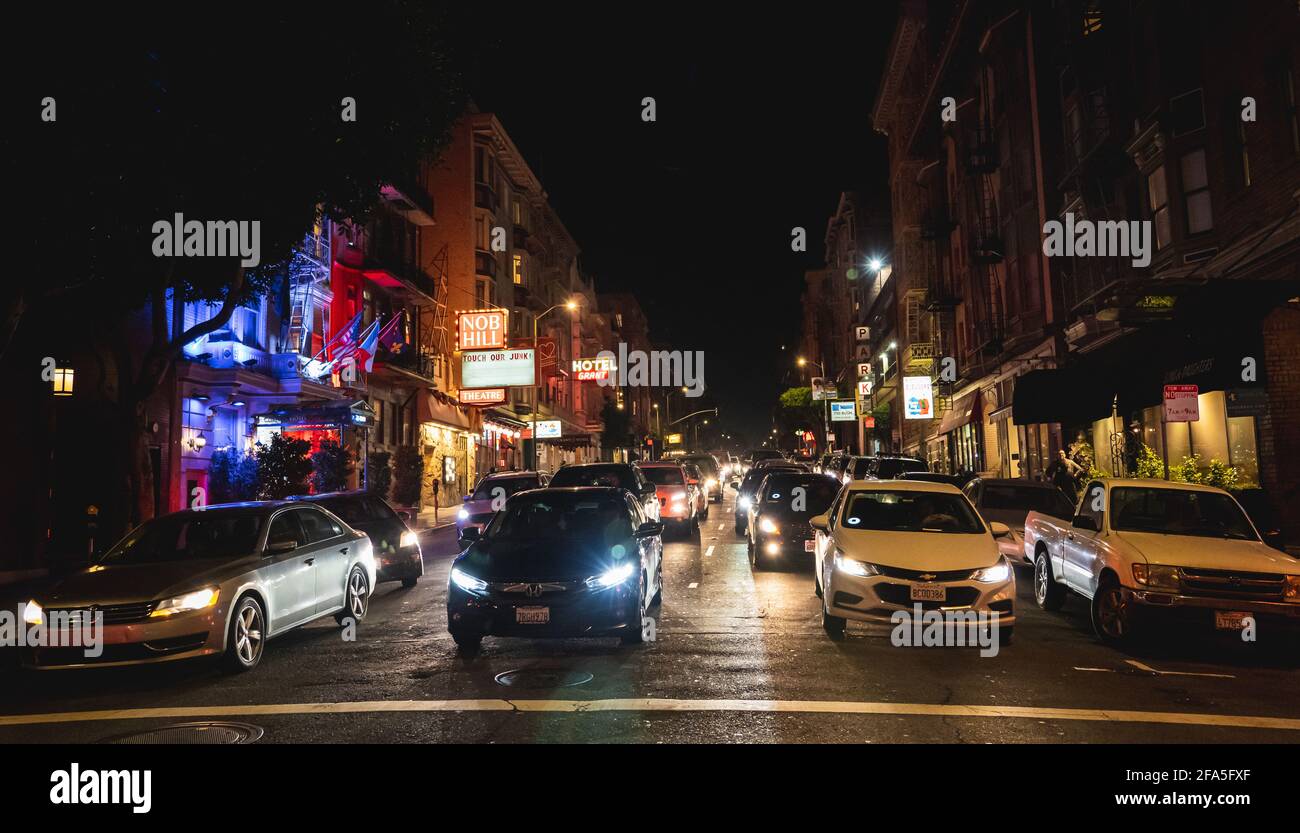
(397,546)
(622,475)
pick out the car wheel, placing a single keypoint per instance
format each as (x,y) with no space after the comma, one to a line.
(817,582)
(1047,593)
(633,633)
(468,644)
(1111,619)
(356,598)
(659,585)
(246,637)
(408,583)
(1005,634)
(833,625)
(705,516)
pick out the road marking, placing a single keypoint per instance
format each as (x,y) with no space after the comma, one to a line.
(1143,667)
(692,585)
(720,526)
(1077,668)
(709,551)
(662,705)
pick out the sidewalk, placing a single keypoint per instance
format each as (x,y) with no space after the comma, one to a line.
(429,519)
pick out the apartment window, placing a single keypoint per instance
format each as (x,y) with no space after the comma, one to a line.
(1158,195)
(1187,113)
(482,233)
(379,419)
(519,269)
(485,295)
(1091,19)
(1196,193)
(485,169)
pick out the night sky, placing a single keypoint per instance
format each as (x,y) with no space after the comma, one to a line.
(762,120)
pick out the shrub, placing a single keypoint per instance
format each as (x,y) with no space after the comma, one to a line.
(282,468)
(330,465)
(408,472)
(379,473)
(232,476)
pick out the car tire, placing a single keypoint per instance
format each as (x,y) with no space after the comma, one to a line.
(246,636)
(408,583)
(817,582)
(833,625)
(1111,619)
(658,598)
(740,528)
(633,633)
(1047,592)
(356,598)
(705,516)
(467,644)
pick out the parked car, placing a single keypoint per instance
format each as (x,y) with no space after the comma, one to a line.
(779,513)
(857,468)
(748,486)
(622,475)
(1009,501)
(1144,550)
(885,546)
(754,455)
(696,480)
(491,494)
(677,498)
(558,562)
(217,581)
(396,545)
(836,467)
(889,467)
(958,480)
(712,475)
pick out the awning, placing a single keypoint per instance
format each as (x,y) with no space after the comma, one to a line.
(436,407)
(963,410)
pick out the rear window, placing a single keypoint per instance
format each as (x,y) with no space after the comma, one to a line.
(1047,501)
(890,468)
(909,511)
(601,518)
(358,509)
(617,476)
(487,487)
(663,475)
(818,493)
(706,464)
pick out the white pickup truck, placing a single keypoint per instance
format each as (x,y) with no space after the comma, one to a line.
(1143,548)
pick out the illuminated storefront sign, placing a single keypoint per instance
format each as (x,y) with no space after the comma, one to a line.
(918,397)
(498,368)
(483,396)
(593,370)
(548,429)
(843,411)
(481,329)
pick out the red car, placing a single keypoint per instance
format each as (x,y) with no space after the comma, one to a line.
(677,497)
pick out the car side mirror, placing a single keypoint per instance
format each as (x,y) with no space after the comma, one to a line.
(281,545)
(821,522)
(1085,522)
(464,499)
(999,530)
(649,529)
(1274,539)
(735,484)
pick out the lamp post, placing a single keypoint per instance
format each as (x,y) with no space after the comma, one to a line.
(826,421)
(537,384)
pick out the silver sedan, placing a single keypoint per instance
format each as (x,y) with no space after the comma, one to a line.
(217,581)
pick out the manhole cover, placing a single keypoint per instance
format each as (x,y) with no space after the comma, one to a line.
(193,733)
(542,678)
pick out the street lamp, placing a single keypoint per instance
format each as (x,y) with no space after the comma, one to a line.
(826,420)
(571,304)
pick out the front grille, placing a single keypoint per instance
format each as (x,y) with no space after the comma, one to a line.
(901,594)
(1226,584)
(121,614)
(930,575)
(525,591)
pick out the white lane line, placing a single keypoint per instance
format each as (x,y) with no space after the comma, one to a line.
(692,585)
(720,526)
(664,705)
(1144,667)
(709,551)
(1077,668)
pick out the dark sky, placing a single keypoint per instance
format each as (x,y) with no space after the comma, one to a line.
(763,118)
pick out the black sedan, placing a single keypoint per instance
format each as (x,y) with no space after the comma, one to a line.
(749,485)
(397,546)
(558,562)
(779,515)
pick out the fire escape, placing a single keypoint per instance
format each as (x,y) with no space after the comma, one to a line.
(987,249)
(309,277)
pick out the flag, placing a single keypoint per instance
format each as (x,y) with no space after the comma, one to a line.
(352,346)
(349,332)
(391,334)
(365,352)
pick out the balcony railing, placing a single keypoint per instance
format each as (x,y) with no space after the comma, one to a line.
(396,275)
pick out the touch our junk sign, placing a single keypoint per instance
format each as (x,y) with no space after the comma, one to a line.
(515,367)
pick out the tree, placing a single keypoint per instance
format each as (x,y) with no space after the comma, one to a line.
(408,473)
(232,476)
(330,465)
(227,123)
(282,468)
(379,473)
(798,411)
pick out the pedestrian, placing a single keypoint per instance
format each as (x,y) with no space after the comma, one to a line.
(1065,474)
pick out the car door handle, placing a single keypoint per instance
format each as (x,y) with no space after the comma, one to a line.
(310,561)
(344,550)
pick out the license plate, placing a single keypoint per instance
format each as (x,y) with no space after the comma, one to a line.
(809,546)
(929,593)
(532,615)
(1228,620)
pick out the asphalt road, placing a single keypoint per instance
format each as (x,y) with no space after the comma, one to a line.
(739,657)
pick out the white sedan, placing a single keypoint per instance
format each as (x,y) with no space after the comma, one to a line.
(890,545)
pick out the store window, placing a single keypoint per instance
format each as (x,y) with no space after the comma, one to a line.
(519,269)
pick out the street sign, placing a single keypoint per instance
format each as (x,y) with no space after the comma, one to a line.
(823,388)
(863,353)
(862,333)
(481,329)
(673,439)
(1181,403)
(864,389)
(868,422)
(843,410)
(918,397)
(548,429)
(498,368)
(864,370)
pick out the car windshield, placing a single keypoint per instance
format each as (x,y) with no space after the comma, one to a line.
(1017,498)
(798,496)
(891,467)
(910,511)
(664,475)
(566,515)
(754,478)
(487,488)
(358,510)
(617,476)
(188,536)
(706,464)
(1178,512)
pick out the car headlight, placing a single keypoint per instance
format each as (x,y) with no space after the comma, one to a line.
(462,515)
(766,525)
(198,600)
(466,582)
(612,577)
(409,539)
(33,614)
(744,503)
(854,567)
(1158,576)
(1290,592)
(710,483)
(996,574)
